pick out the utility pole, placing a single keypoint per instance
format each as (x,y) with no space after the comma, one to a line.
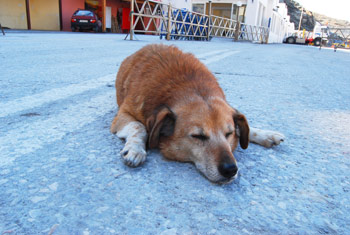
(301,17)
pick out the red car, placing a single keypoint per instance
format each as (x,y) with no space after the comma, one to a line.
(85,19)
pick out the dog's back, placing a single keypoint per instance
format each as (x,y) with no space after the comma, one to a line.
(160,75)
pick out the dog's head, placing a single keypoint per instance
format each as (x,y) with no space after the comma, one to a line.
(204,132)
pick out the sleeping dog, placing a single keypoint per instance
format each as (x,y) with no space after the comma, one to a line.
(170,100)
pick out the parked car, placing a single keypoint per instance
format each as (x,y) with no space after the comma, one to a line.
(303,40)
(319,35)
(85,19)
(295,38)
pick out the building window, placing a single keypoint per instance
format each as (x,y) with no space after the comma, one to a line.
(199,8)
(222,9)
(240,14)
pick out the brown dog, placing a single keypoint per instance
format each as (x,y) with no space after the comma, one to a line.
(171,101)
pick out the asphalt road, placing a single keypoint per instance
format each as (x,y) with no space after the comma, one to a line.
(60,169)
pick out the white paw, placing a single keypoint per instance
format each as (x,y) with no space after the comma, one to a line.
(133,155)
(273,138)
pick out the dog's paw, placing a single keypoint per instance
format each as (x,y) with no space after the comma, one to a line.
(273,138)
(133,155)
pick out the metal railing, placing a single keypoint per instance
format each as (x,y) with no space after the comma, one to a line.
(338,38)
(254,33)
(152,17)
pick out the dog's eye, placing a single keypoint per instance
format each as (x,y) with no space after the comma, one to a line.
(228,134)
(200,137)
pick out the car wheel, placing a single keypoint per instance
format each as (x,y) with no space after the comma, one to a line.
(291,40)
(317,42)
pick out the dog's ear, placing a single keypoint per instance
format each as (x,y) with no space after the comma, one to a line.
(162,123)
(242,129)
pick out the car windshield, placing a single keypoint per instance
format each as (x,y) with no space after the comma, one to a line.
(84,13)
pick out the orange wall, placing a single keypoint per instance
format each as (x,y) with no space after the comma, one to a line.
(13,14)
(115,4)
(68,8)
(118,4)
(44,15)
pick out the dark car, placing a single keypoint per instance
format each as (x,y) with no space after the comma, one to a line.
(85,20)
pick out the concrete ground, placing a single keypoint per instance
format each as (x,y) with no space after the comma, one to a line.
(60,169)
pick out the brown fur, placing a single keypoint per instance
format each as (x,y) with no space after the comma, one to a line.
(179,101)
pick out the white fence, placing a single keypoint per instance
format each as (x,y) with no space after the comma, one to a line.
(152,17)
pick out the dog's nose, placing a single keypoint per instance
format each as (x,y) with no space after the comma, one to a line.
(228,170)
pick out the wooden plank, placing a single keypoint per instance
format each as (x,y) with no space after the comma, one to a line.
(103,15)
(29,26)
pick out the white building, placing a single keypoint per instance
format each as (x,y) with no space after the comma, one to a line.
(266,13)
(280,26)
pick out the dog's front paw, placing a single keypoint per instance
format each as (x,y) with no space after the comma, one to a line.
(133,155)
(273,138)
